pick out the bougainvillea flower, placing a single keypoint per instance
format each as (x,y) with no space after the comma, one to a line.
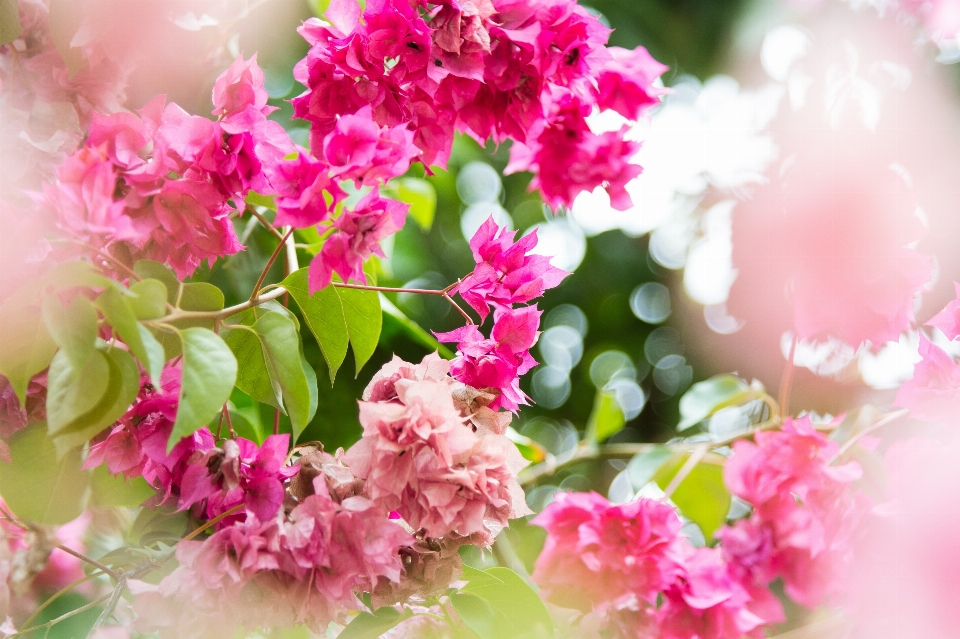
(359,149)
(306,194)
(933,393)
(948,320)
(358,237)
(496,364)
(506,272)
(626,82)
(597,552)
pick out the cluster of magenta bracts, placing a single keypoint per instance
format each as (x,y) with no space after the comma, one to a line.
(433,471)
(494,69)
(616,562)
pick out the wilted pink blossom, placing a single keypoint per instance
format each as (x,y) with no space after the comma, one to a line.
(597,552)
(506,272)
(933,393)
(496,364)
(305,567)
(358,236)
(804,519)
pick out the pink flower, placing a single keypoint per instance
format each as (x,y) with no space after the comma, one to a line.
(239,87)
(566,157)
(705,602)
(948,320)
(597,552)
(506,273)
(358,238)
(803,523)
(496,364)
(83,199)
(306,194)
(933,393)
(361,150)
(421,458)
(626,82)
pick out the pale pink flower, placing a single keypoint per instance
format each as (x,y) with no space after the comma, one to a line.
(948,320)
(239,87)
(933,393)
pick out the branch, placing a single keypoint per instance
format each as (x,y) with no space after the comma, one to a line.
(227,312)
(266,269)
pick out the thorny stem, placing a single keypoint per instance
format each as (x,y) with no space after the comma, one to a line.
(266,269)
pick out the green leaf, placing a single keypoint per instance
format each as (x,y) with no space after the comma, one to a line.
(119,312)
(74,394)
(477,614)
(413,330)
(422,198)
(266,201)
(253,378)
(606,419)
(702,496)
(10,27)
(110,491)
(123,384)
(518,610)
(644,466)
(707,397)
(65,18)
(71,274)
(371,626)
(26,347)
(148,269)
(149,299)
(337,317)
(74,328)
(201,296)
(282,354)
(209,374)
(38,486)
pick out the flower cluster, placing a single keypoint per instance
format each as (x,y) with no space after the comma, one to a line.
(162,185)
(494,69)
(804,518)
(195,475)
(422,458)
(616,561)
(506,274)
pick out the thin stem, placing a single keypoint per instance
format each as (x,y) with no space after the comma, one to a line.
(279,291)
(266,223)
(886,419)
(92,562)
(117,263)
(111,606)
(459,310)
(70,586)
(226,414)
(787,380)
(213,522)
(53,622)
(276,421)
(390,289)
(266,269)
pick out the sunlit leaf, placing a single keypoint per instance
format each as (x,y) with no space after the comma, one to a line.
(10,27)
(706,397)
(281,350)
(148,269)
(338,317)
(702,496)
(643,466)
(370,626)
(116,491)
(120,314)
(421,196)
(149,299)
(606,419)
(26,347)
(38,486)
(517,609)
(209,374)
(73,328)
